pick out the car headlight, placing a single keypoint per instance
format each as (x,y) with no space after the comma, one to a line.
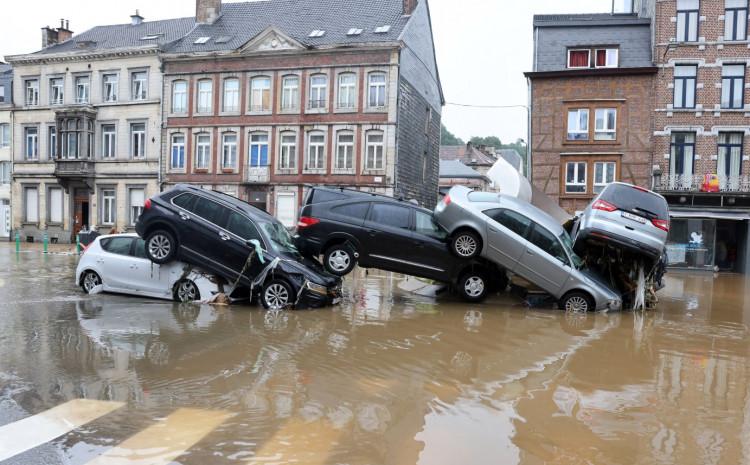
(316,288)
(614,304)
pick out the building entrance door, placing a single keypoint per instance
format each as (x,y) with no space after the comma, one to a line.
(80,211)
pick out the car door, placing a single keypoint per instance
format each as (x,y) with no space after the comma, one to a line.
(544,262)
(431,248)
(203,233)
(117,265)
(151,277)
(241,229)
(506,236)
(389,238)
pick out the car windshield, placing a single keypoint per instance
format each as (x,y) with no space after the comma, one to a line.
(567,243)
(281,240)
(631,198)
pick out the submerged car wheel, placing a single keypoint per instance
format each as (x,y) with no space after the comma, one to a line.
(472,287)
(339,260)
(89,281)
(465,244)
(186,291)
(576,302)
(276,295)
(160,247)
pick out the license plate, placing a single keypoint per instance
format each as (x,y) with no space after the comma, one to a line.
(633,217)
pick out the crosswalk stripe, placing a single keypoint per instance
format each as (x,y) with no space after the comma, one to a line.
(36,430)
(308,443)
(163,442)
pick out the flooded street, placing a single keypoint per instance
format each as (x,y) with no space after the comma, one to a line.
(386,377)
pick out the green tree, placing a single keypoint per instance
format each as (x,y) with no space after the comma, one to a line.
(448,138)
(489,141)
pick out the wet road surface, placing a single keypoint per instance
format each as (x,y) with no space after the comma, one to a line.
(386,377)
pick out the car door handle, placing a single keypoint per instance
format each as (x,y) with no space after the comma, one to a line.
(224,236)
(529,252)
(493,230)
(184,216)
(372,232)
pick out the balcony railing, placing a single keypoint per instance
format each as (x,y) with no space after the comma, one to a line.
(257,175)
(703,183)
(73,168)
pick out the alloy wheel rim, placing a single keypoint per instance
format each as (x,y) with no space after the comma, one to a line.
(276,296)
(474,286)
(576,304)
(90,281)
(186,292)
(159,247)
(339,260)
(466,245)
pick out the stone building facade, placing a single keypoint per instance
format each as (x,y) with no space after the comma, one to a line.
(6,165)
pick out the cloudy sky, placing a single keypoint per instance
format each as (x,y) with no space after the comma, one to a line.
(483,47)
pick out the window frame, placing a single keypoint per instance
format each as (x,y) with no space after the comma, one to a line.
(291,154)
(382,86)
(199,153)
(568,132)
(183,109)
(350,152)
(368,144)
(132,219)
(728,146)
(50,205)
(26,189)
(132,136)
(51,141)
(321,104)
(733,87)
(114,85)
(594,183)
(256,144)
(227,154)
(606,57)
(32,155)
(735,23)
(612,131)
(351,91)
(234,92)
(588,61)
(204,110)
(567,184)
(31,92)
(112,142)
(6,172)
(320,151)
(685,80)
(177,152)
(673,145)
(265,103)
(687,14)
(294,93)
(103,198)
(52,90)
(82,89)
(4,135)
(133,94)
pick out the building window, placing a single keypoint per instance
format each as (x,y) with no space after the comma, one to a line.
(289,92)
(138,140)
(733,86)
(682,159)
(347,90)
(575,177)
(578,124)
(735,19)
(52,142)
(729,164)
(178,152)
(288,151)
(229,151)
(32,92)
(344,151)
(374,159)
(579,58)
(231,95)
(5,135)
(205,90)
(258,150)
(56,91)
(376,90)
(318,90)
(5,171)
(137,199)
(684,86)
(139,81)
(82,89)
(31,139)
(55,205)
(606,57)
(687,20)
(605,124)
(109,141)
(179,97)
(2,94)
(110,83)
(202,151)
(109,206)
(31,204)
(260,94)
(315,151)
(76,138)
(604,173)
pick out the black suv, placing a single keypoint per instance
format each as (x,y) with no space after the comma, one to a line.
(350,227)
(215,231)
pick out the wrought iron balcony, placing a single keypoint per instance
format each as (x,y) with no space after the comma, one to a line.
(703,183)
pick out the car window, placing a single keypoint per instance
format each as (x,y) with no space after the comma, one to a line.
(242,226)
(394,216)
(117,245)
(318,196)
(426,225)
(208,210)
(140,248)
(630,198)
(185,201)
(355,211)
(546,241)
(281,240)
(517,223)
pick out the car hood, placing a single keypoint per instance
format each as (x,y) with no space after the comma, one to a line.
(310,270)
(597,279)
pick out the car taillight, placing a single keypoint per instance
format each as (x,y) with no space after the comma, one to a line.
(604,206)
(306,221)
(147,204)
(661,224)
(85,248)
(447,200)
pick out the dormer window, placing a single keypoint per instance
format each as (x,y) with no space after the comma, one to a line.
(604,57)
(317,33)
(607,58)
(579,58)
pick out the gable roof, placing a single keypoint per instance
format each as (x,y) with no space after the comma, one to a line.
(467,154)
(456,169)
(511,156)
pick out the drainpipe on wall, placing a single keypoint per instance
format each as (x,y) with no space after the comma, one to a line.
(162,125)
(528,131)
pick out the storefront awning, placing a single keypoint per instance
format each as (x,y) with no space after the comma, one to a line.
(718,215)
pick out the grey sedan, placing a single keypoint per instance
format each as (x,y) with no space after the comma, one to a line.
(523,240)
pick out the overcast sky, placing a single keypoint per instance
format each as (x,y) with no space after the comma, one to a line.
(483,47)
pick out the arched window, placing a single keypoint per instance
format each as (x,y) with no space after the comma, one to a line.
(202,151)
(376,89)
(374,155)
(229,151)
(318,90)
(205,96)
(258,150)
(178,152)
(179,97)
(290,92)
(287,150)
(347,90)
(344,151)
(231,99)
(260,93)
(316,153)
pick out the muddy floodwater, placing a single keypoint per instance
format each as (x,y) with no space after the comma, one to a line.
(387,377)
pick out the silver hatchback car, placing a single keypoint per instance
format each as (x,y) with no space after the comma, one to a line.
(523,240)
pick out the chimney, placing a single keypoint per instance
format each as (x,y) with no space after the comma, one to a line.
(136,19)
(63,32)
(207,11)
(49,36)
(409,6)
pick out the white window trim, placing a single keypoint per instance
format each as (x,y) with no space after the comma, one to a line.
(116,87)
(172,145)
(255,132)
(48,216)
(607,131)
(587,50)
(279,133)
(76,99)
(596,184)
(131,155)
(172,99)
(337,92)
(236,133)
(366,133)
(606,58)
(385,90)
(196,103)
(578,128)
(103,220)
(197,133)
(129,189)
(131,82)
(338,130)
(235,111)
(295,109)
(575,175)
(26,101)
(264,111)
(103,146)
(62,88)
(310,76)
(24,189)
(323,131)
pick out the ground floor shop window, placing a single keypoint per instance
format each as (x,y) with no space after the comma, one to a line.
(691,243)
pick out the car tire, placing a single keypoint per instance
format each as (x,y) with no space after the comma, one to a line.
(339,260)
(472,286)
(277,294)
(466,244)
(186,291)
(161,246)
(576,302)
(89,280)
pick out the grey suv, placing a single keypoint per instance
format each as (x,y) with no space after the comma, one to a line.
(523,240)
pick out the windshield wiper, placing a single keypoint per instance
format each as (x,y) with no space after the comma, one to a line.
(647,212)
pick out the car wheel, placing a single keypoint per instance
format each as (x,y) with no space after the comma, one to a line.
(276,294)
(576,302)
(89,281)
(472,286)
(339,260)
(465,244)
(186,291)
(160,247)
